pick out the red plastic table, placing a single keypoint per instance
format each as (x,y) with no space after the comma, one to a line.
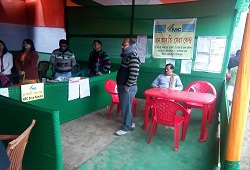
(183,96)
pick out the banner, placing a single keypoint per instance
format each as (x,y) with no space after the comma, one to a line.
(39,20)
(174,38)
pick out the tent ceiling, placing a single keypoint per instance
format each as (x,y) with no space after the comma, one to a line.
(127,2)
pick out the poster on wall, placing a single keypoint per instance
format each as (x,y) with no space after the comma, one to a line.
(186,66)
(142,45)
(170,61)
(174,38)
(210,53)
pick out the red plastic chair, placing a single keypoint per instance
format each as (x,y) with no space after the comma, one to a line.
(202,87)
(165,112)
(110,86)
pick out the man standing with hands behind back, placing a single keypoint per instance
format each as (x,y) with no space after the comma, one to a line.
(126,79)
(62,59)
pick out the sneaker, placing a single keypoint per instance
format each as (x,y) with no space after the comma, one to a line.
(169,127)
(121,132)
(133,126)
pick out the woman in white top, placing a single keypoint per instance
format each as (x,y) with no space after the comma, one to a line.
(168,80)
(6,63)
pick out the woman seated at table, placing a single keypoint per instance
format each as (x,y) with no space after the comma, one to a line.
(168,79)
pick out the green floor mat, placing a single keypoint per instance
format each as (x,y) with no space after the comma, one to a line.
(131,151)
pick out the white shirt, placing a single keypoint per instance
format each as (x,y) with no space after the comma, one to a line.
(7,63)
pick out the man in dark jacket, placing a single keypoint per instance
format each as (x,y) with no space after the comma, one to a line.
(99,62)
(127,83)
(234,61)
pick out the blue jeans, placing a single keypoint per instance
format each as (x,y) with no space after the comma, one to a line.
(4,159)
(66,75)
(126,99)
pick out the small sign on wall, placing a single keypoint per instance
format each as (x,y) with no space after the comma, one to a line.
(31,92)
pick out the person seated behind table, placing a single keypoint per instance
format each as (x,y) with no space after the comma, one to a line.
(62,59)
(26,63)
(99,62)
(234,61)
(168,79)
(6,63)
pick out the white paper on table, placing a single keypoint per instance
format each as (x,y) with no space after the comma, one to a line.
(4,92)
(84,88)
(186,66)
(170,61)
(142,45)
(73,91)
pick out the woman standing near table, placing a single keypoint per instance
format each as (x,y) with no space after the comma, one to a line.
(26,63)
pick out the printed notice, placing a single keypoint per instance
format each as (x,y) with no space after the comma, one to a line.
(170,61)
(210,53)
(84,88)
(73,88)
(142,45)
(186,66)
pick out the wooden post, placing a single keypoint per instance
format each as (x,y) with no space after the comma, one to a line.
(240,104)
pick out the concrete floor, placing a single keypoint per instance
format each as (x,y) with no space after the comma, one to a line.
(245,156)
(86,136)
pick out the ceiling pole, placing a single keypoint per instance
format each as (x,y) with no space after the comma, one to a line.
(132,18)
(240,104)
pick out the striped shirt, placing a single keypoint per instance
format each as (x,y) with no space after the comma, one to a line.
(128,71)
(58,57)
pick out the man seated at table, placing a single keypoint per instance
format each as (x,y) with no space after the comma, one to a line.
(62,59)
(168,79)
